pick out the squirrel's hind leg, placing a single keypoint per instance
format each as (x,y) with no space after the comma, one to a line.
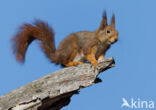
(73,63)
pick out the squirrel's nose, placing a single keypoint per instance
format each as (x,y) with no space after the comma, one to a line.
(116,40)
(116,36)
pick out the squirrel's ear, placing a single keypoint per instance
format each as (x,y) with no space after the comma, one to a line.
(113,21)
(103,22)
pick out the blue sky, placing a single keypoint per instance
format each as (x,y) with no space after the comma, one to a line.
(134,75)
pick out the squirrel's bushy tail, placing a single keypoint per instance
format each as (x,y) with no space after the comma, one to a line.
(28,33)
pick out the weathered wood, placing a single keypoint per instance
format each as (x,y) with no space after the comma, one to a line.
(53,91)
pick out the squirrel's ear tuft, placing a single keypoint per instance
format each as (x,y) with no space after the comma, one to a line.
(105,16)
(113,21)
(103,22)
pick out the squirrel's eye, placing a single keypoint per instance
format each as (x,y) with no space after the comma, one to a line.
(108,31)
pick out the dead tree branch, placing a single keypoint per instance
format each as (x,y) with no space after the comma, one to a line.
(52,92)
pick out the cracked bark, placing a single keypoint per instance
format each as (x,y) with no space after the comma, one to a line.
(52,92)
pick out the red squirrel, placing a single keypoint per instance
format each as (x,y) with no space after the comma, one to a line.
(74,49)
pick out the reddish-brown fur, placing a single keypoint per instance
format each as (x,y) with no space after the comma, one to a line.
(74,49)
